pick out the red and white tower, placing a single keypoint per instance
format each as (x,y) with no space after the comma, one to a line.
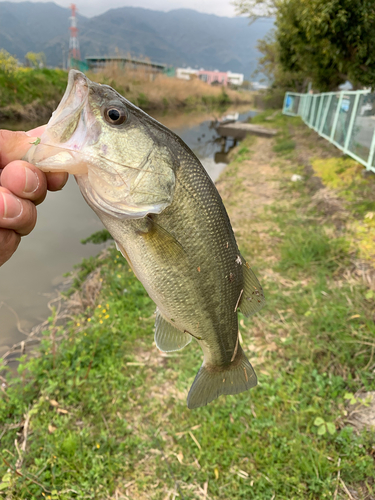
(73,41)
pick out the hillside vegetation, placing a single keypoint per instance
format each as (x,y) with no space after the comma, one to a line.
(100,413)
(33,94)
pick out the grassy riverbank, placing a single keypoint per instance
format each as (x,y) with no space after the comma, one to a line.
(101,413)
(32,94)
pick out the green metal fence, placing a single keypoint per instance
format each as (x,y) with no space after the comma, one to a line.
(346,118)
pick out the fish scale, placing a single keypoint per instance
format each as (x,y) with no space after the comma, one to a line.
(167,218)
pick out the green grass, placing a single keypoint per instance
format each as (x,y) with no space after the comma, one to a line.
(284,146)
(25,86)
(106,411)
(306,247)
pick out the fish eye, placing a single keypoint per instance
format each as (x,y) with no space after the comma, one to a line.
(115,116)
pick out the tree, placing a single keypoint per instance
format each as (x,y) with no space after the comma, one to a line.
(8,63)
(328,41)
(270,66)
(36,59)
(256,8)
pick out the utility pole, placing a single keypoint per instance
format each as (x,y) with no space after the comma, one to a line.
(73,41)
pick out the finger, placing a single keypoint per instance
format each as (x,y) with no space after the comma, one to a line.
(25,181)
(13,146)
(16,213)
(36,132)
(9,241)
(56,180)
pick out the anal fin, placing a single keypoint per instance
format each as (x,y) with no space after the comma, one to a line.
(252,299)
(167,337)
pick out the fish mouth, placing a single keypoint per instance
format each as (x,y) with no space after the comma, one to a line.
(73,100)
(70,128)
(71,143)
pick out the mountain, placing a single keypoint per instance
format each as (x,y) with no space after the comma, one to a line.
(181,37)
(35,27)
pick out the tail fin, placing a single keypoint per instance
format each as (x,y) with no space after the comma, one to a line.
(213,381)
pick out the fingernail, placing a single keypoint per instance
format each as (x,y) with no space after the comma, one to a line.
(12,206)
(32,181)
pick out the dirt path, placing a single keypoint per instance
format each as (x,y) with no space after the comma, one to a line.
(256,178)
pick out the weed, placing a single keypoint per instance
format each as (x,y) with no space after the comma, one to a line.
(142,100)
(307,247)
(284,146)
(98,237)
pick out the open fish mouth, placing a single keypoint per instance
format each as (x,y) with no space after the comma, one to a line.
(71,127)
(121,171)
(74,98)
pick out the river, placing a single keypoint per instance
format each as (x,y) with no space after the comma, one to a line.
(30,278)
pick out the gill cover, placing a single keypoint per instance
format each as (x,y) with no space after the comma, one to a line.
(122,170)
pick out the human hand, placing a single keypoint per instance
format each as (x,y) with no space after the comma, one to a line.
(22,187)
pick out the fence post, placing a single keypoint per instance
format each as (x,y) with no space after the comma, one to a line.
(336,117)
(325,113)
(284,103)
(307,109)
(312,112)
(371,153)
(300,105)
(322,96)
(351,123)
(303,106)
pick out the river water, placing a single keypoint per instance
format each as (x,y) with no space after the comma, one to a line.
(30,278)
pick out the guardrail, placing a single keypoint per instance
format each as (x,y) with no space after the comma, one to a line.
(345,118)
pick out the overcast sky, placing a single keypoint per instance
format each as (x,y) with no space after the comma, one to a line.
(95,7)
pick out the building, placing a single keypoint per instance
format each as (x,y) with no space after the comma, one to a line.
(212,77)
(186,73)
(100,62)
(235,78)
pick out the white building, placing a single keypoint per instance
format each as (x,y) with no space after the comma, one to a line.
(235,78)
(185,73)
(216,76)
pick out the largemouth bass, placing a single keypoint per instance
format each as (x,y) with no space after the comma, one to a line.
(168,220)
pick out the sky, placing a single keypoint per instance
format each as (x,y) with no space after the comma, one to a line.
(91,8)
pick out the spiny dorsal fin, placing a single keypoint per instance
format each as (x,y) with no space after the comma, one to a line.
(252,299)
(167,337)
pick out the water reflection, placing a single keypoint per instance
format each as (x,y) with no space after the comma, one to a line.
(28,280)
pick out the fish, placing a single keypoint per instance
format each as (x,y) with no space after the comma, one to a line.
(168,220)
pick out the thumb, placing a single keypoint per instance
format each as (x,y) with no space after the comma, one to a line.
(14,145)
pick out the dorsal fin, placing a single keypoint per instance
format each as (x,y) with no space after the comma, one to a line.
(252,299)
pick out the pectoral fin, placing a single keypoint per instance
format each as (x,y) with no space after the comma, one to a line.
(252,299)
(167,337)
(160,241)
